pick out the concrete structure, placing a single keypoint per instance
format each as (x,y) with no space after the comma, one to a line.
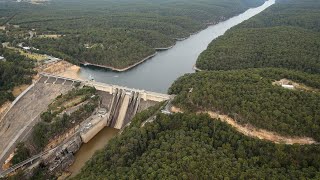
(125,103)
(145,95)
(58,157)
(122,112)
(24,113)
(119,106)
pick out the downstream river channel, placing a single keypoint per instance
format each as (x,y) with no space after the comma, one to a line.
(157,74)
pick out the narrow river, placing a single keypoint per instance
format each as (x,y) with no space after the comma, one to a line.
(87,150)
(157,74)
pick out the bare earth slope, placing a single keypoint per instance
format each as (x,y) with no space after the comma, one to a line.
(22,115)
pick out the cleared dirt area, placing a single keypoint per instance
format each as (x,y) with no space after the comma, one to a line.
(56,67)
(61,68)
(251,131)
(53,36)
(22,116)
(19,89)
(71,72)
(297,86)
(176,109)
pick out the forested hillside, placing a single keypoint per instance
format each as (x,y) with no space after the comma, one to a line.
(15,70)
(286,35)
(190,146)
(250,96)
(114,33)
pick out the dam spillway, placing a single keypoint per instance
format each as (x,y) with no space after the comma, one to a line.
(117,107)
(122,112)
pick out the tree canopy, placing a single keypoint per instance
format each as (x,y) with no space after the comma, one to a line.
(250,96)
(114,33)
(284,36)
(15,70)
(189,146)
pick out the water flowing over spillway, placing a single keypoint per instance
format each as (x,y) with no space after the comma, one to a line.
(159,72)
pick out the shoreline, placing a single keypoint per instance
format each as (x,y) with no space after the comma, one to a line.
(152,55)
(206,25)
(118,69)
(165,48)
(196,69)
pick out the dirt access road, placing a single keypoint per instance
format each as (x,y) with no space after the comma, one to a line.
(252,131)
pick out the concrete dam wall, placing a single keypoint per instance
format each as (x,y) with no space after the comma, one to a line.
(118,110)
(118,104)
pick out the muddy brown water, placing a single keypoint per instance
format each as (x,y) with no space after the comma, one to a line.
(87,150)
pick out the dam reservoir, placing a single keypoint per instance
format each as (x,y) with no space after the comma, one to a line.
(156,74)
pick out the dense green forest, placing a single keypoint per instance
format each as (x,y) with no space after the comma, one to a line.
(287,35)
(254,55)
(116,33)
(14,70)
(189,146)
(249,96)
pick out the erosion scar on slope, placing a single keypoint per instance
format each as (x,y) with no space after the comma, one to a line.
(251,131)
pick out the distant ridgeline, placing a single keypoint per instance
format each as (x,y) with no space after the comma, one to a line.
(287,35)
(114,33)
